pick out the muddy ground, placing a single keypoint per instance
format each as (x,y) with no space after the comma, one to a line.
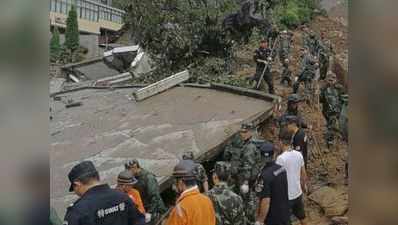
(326,166)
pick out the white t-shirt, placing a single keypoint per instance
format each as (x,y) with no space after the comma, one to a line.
(292,161)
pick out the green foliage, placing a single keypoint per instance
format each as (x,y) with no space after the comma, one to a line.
(55,46)
(72,31)
(291,13)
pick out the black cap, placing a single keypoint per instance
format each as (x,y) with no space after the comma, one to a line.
(126,177)
(185,169)
(188,155)
(81,170)
(294,98)
(267,150)
(247,126)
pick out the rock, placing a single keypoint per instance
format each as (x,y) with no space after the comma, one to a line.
(340,220)
(333,202)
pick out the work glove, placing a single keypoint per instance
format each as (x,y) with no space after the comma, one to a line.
(148,217)
(244,188)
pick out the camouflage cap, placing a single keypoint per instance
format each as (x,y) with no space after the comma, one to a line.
(222,169)
(293,98)
(247,126)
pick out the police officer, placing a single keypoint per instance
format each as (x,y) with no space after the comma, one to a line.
(228,206)
(272,191)
(148,187)
(248,169)
(192,207)
(98,203)
(201,177)
(331,99)
(263,59)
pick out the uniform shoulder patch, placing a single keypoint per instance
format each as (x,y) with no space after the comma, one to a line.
(279,171)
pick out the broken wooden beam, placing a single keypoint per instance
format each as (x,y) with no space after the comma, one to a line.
(161,85)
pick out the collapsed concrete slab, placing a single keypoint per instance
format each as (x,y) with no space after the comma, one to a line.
(109,129)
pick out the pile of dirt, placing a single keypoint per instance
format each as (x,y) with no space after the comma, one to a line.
(326,167)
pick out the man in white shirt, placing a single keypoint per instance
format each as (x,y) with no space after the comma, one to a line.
(293,162)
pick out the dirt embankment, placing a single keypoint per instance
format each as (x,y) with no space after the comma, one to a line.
(326,167)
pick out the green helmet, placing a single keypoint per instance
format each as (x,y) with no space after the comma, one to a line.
(185,169)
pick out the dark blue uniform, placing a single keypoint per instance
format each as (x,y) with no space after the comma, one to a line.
(272,183)
(102,205)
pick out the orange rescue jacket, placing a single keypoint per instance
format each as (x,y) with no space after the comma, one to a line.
(136,197)
(192,208)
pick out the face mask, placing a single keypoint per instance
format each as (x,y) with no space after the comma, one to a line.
(244,189)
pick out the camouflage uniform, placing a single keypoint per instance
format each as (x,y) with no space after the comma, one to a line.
(324,54)
(148,187)
(308,73)
(249,168)
(228,206)
(286,73)
(331,100)
(201,176)
(232,154)
(311,43)
(284,46)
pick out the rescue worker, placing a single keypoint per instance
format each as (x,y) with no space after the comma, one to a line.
(148,187)
(201,177)
(232,154)
(286,73)
(263,60)
(248,170)
(308,73)
(293,102)
(285,40)
(300,139)
(272,191)
(228,206)
(292,161)
(125,183)
(324,52)
(192,207)
(98,203)
(331,99)
(311,43)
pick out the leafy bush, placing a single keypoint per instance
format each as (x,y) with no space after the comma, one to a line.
(55,46)
(291,13)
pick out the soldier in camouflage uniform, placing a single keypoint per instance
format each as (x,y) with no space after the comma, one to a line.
(292,109)
(331,100)
(232,154)
(228,206)
(148,187)
(285,40)
(249,167)
(201,176)
(324,52)
(311,43)
(286,73)
(308,73)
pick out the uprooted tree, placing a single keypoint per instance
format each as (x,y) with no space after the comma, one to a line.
(179,33)
(195,34)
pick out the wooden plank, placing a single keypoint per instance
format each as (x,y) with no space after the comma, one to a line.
(160,86)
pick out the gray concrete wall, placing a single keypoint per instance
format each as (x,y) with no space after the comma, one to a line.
(89,41)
